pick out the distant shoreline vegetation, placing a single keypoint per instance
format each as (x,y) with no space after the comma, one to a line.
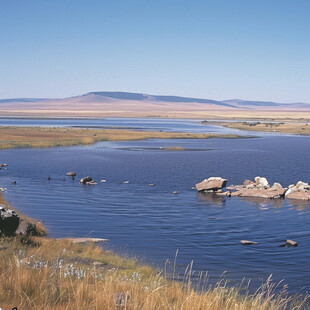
(46,137)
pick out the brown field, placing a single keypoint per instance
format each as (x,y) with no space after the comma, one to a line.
(42,137)
(302,128)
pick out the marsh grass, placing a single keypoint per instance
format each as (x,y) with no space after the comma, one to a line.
(44,137)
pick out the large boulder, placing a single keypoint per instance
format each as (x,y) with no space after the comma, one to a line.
(9,221)
(211,184)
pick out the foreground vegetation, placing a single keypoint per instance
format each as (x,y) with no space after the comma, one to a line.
(42,137)
(300,128)
(41,273)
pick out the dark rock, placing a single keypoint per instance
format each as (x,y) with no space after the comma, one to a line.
(26,229)
(212,183)
(86,180)
(9,221)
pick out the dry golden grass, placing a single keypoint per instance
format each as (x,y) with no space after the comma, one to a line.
(57,275)
(302,128)
(43,137)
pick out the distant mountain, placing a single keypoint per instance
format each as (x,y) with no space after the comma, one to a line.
(137,104)
(147,97)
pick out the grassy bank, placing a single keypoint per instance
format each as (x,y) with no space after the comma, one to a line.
(42,273)
(302,128)
(43,137)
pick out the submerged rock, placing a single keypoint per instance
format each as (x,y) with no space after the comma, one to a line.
(211,184)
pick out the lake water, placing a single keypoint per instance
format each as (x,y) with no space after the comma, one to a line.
(152,223)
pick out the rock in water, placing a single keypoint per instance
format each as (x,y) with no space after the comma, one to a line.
(71,174)
(247,242)
(289,243)
(9,221)
(212,183)
(86,180)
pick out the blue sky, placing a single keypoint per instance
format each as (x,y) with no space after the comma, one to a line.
(219,49)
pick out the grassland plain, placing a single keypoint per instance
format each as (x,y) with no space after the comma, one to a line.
(44,137)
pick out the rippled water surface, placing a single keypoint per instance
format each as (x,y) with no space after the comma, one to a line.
(153,223)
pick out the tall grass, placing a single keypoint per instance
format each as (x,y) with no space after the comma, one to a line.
(57,274)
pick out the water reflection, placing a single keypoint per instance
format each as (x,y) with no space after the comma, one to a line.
(211,199)
(263,203)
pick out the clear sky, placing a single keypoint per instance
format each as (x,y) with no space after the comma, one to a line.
(217,49)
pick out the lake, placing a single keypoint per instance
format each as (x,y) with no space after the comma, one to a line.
(152,223)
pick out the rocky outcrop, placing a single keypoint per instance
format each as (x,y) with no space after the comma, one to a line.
(261,189)
(211,184)
(9,221)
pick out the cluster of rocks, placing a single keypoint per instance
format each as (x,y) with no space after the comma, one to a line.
(12,225)
(259,188)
